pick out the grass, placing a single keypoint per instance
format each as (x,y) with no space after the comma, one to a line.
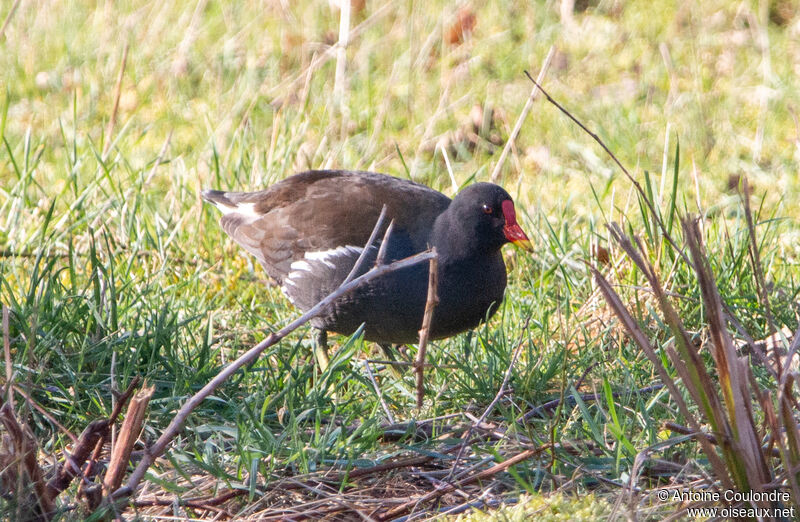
(112,267)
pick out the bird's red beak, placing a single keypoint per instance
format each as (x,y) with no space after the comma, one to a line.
(512,230)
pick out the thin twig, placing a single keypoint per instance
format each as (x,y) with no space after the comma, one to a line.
(35,405)
(585,374)
(500,392)
(386,409)
(123,399)
(453,182)
(176,426)
(73,462)
(523,115)
(285,485)
(588,397)
(430,303)
(288,83)
(684,430)
(495,432)
(89,490)
(413,364)
(341,54)
(8,17)
(7,353)
(448,488)
(381,257)
(337,478)
(114,392)
(367,246)
(636,184)
(158,159)
(195,502)
(117,93)
(415,429)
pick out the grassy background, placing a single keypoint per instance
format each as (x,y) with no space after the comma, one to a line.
(112,267)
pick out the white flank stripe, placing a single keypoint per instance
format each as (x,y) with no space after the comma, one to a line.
(325,256)
(312,260)
(300,265)
(322,257)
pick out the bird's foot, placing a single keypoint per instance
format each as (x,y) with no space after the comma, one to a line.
(321,349)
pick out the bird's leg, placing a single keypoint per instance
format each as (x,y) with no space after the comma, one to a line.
(402,349)
(388,354)
(321,348)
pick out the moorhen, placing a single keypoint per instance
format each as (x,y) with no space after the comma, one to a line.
(308,230)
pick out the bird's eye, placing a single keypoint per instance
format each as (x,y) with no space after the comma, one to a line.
(487,209)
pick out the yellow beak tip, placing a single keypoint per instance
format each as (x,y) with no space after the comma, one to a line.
(524,244)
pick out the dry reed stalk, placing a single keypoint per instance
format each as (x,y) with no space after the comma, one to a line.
(115,108)
(522,116)
(129,433)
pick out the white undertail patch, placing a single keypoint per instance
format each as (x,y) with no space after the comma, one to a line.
(245,211)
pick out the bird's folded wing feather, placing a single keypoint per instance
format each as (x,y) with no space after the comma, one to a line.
(321,211)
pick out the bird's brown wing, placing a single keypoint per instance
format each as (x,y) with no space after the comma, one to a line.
(316,212)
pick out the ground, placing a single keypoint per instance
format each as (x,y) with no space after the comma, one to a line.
(115,115)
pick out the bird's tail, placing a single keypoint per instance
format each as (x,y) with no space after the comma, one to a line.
(218,198)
